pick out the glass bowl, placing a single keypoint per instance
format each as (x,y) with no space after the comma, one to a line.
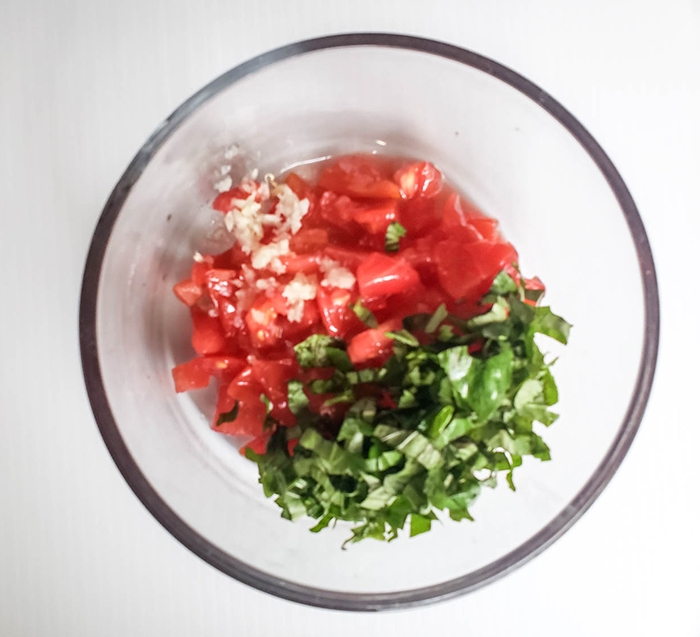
(506,143)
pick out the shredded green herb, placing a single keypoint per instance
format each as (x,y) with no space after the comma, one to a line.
(462,405)
(394,233)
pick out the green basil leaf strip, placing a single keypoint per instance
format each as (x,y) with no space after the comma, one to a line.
(296,398)
(419,524)
(320,350)
(394,233)
(228,416)
(503,284)
(438,317)
(405,337)
(411,443)
(548,323)
(490,383)
(497,314)
(364,314)
(441,421)
(266,401)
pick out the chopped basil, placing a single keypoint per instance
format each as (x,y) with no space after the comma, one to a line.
(394,233)
(266,401)
(228,416)
(320,350)
(462,403)
(438,317)
(364,314)
(296,398)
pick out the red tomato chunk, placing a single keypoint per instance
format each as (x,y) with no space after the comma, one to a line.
(317,262)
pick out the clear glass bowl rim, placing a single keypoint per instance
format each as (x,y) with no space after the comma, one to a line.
(285,588)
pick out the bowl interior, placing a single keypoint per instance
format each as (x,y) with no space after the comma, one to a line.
(495,144)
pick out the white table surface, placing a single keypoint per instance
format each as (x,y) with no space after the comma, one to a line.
(84,82)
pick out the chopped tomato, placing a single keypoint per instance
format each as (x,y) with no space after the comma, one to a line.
(419,300)
(304,263)
(200,269)
(385,400)
(299,330)
(224,405)
(207,334)
(475,346)
(274,375)
(533,284)
(261,320)
(373,345)
(419,254)
(381,275)
(418,179)
(224,201)
(336,314)
(299,186)
(309,241)
(222,285)
(196,373)
(190,375)
(241,327)
(347,257)
(420,215)
(291,444)
(461,213)
(357,176)
(188,292)
(467,272)
(245,389)
(376,219)
(259,443)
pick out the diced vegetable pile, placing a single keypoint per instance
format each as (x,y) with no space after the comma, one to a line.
(374,336)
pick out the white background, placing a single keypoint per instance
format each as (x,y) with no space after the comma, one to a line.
(83,83)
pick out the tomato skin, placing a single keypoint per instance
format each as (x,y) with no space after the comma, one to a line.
(418,179)
(196,373)
(467,272)
(356,176)
(373,345)
(376,219)
(188,292)
(207,334)
(381,275)
(336,314)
